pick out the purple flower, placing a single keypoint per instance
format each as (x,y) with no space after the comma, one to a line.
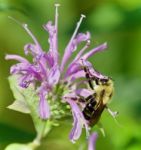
(55,81)
(79,121)
(92,141)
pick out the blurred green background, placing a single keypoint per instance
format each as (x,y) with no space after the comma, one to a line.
(116,21)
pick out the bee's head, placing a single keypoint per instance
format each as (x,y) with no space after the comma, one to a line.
(106,81)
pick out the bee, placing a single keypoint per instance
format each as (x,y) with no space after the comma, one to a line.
(95,104)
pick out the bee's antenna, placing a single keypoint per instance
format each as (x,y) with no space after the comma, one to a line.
(114,114)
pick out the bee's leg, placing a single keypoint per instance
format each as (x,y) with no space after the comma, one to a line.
(87,99)
(90,107)
(86,115)
(87,75)
(89,79)
(91,97)
(82,99)
(96,80)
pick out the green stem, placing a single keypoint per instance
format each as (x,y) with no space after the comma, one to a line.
(45,130)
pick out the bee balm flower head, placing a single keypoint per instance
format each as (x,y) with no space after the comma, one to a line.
(55,81)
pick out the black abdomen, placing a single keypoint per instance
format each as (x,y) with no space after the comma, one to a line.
(89,108)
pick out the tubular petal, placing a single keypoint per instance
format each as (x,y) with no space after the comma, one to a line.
(92,141)
(79,121)
(68,51)
(38,49)
(16,57)
(93,51)
(44,109)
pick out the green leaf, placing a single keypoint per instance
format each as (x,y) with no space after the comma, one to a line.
(20,106)
(16,146)
(20,103)
(29,98)
(15,88)
(32,100)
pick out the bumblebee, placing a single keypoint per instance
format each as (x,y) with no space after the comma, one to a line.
(95,104)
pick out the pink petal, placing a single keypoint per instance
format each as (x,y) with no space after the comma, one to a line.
(93,51)
(68,50)
(44,109)
(92,141)
(79,121)
(16,57)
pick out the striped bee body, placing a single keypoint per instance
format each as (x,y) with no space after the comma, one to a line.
(97,102)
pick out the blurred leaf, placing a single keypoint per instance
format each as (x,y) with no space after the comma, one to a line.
(17,146)
(134,147)
(106,17)
(132,19)
(129,4)
(20,106)
(11,134)
(9,7)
